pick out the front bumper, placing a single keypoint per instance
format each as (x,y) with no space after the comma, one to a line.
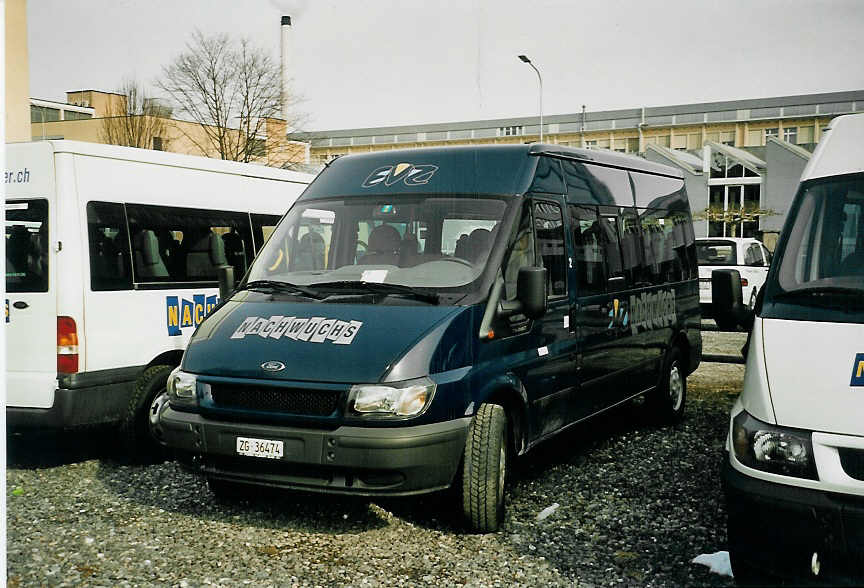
(365,461)
(777,529)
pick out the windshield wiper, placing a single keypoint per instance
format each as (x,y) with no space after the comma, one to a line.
(278,286)
(380,288)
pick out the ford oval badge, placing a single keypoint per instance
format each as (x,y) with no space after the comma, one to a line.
(273,366)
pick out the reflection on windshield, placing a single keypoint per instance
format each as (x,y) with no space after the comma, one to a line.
(716,253)
(435,242)
(825,248)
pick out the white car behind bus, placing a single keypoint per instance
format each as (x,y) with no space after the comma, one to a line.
(111,263)
(745,254)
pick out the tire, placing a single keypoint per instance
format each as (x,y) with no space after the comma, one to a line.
(143,442)
(667,401)
(484,471)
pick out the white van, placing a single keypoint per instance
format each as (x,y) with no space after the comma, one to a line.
(794,473)
(111,263)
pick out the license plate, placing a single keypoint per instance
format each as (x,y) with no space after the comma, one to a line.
(260,447)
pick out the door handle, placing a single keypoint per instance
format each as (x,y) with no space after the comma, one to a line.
(20,304)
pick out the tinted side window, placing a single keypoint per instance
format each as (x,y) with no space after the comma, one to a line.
(547,178)
(659,191)
(632,254)
(669,245)
(27,245)
(262,227)
(610,185)
(593,239)
(109,247)
(172,244)
(549,230)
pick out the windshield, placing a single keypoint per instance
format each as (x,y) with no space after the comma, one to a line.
(435,242)
(716,253)
(821,264)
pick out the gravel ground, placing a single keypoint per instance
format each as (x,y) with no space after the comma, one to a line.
(636,503)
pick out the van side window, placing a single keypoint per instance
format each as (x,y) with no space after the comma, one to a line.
(109,247)
(589,241)
(669,245)
(26,246)
(521,254)
(263,226)
(632,255)
(171,244)
(549,229)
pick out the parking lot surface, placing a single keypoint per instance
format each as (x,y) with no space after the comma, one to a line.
(636,502)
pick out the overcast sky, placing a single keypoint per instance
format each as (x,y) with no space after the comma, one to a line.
(387,62)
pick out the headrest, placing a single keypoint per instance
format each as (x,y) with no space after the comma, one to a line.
(384,238)
(147,244)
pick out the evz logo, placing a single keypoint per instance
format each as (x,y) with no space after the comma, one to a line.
(317,329)
(180,314)
(618,315)
(410,174)
(858,371)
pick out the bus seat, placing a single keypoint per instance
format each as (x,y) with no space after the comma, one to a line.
(205,254)
(384,246)
(148,261)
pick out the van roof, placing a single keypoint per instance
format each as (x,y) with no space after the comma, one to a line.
(464,169)
(839,151)
(170,159)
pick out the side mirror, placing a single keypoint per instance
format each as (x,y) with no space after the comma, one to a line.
(531,291)
(727,300)
(226,281)
(530,294)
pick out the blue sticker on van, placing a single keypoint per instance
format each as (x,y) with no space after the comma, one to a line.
(180,314)
(858,371)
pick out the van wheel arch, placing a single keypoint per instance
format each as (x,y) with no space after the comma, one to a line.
(172,358)
(514,404)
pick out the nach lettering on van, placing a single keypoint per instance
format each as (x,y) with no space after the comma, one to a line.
(652,311)
(858,370)
(411,174)
(180,314)
(316,329)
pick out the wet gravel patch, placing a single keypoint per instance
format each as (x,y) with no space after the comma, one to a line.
(636,503)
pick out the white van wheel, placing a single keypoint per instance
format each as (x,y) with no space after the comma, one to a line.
(485,469)
(141,439)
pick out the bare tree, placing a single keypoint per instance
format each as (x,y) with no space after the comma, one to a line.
(733,216)
(230,89)
(132,118)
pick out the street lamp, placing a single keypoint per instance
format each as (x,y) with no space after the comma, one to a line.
(525,59)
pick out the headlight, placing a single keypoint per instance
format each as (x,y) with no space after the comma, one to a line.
(774,449)
(401,399)
(182,388)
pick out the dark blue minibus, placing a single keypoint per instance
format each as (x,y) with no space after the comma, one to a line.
(420,317)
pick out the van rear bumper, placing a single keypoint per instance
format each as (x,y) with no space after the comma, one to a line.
(373,461)
(83,399)
(776,529)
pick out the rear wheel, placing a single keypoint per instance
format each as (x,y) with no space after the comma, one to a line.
(485,469)
(142,434)
(667,401)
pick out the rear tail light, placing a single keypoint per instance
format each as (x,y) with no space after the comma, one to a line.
(67,345)
(743,282)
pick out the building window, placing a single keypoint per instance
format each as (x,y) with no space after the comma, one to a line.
(790,134)
(40,114)
(633,145)
(771,133)
(510,131)
(727,138)
(158,144)
(75,115)
(805,135)
(592,144)
(258,147)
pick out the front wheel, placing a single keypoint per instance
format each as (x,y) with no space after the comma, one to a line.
(667,401)
(140,429)
(485,469)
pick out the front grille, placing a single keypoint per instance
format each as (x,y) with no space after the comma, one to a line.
(852,461)
(300,401)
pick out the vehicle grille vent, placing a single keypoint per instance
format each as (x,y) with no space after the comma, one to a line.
(852,461)
(300,401)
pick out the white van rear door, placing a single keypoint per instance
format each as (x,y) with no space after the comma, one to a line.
(812,368)
(31,303)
